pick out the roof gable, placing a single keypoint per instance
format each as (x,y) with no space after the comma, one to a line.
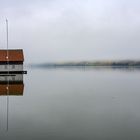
(13,55)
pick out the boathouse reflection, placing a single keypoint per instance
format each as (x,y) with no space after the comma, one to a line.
(11,85)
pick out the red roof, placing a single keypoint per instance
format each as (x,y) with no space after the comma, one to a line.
(13,55)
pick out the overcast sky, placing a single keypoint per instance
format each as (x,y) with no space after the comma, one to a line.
(66,30)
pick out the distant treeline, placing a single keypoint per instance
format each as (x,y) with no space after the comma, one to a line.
(96,63)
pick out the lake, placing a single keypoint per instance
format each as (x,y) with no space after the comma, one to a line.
(74,104)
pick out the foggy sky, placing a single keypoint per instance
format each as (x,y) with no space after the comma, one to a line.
(66,30)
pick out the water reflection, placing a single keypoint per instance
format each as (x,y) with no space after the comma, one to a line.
(11,85)
(68,104)
(89,68)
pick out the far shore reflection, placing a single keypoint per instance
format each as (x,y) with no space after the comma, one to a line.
(86,68)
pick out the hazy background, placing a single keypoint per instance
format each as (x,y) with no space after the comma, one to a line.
(64,30)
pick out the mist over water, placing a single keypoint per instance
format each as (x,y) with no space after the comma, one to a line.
(72,30)
(75,104)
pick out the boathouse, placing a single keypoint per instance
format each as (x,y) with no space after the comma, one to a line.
(11,61)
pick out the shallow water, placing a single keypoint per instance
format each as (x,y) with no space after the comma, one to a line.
(79,104)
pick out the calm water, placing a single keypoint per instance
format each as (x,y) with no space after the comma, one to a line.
(74,104)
